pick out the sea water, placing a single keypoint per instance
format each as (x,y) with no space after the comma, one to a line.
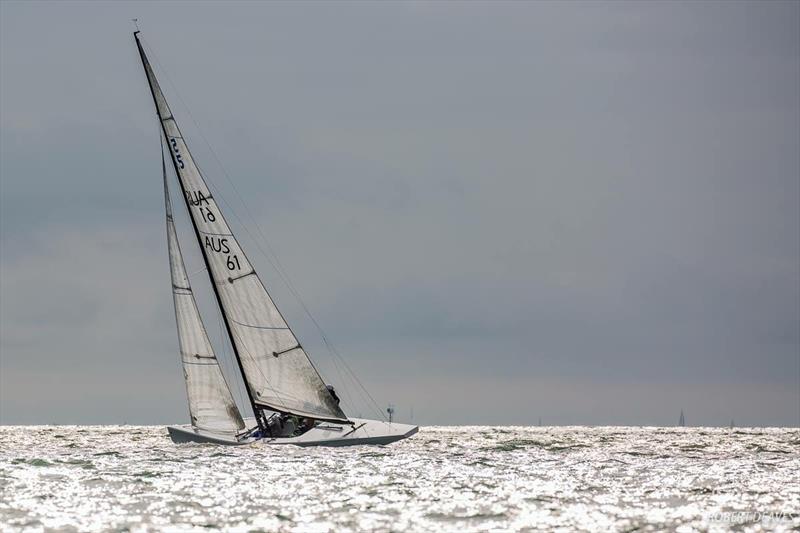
(133,478)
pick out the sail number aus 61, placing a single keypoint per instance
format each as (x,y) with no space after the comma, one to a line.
(220,246)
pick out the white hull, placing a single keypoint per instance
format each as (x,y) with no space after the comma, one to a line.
(325,434)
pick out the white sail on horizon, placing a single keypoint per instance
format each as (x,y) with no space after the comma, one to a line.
(211,404)
(277,371)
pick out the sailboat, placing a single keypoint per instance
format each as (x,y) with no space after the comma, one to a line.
(291,403)
(682,420)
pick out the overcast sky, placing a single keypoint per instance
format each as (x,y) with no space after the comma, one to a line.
(588,213)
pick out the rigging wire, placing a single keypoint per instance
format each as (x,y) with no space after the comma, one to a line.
(278,268)
(274,261)
(193,274)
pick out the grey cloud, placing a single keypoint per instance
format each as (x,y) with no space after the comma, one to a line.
(580,203)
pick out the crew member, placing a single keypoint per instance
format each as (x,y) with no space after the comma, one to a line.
(333,393)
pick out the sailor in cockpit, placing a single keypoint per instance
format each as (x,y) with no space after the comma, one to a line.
(286,425)
(282,425)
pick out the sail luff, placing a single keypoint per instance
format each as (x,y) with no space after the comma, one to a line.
(276,369)
(211,404)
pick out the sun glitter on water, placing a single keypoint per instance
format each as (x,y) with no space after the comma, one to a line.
(98,478)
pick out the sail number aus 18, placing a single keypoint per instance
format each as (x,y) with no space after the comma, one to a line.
(197,199)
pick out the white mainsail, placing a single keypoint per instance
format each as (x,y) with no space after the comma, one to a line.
(211,405)
(276,368)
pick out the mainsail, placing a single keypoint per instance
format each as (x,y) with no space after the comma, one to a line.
(211,404)
(277,371)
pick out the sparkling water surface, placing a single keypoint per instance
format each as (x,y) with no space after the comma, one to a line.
(133,478)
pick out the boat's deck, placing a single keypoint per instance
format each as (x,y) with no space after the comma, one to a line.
(324,434)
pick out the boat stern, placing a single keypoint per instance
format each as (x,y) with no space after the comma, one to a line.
(363,431)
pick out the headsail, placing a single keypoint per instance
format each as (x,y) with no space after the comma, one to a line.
(276,368)
(211,404)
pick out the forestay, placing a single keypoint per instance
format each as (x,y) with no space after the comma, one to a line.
(211,404)
(276,368)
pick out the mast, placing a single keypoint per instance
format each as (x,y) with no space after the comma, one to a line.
(259,415)
(276,368)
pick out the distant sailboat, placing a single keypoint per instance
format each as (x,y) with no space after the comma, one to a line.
(732,424)
(290,401)
(682,420)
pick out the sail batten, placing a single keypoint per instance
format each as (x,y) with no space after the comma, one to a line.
(288,383)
